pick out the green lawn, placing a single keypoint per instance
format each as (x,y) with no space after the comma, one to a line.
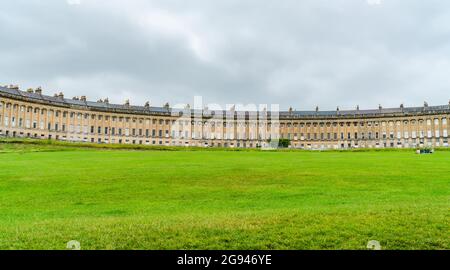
(126,199)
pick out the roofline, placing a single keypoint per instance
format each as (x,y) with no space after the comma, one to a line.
(35,97)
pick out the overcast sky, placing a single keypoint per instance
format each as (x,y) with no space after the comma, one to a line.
(298,53)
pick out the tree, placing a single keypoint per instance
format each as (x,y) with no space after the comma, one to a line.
(284,143)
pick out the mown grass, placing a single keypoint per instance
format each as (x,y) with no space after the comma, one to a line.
(128,199)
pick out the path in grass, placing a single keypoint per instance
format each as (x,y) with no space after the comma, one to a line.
(110,199)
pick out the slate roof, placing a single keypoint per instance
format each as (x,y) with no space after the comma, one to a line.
(131,109)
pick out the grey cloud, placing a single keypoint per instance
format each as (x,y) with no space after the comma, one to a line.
(295,53)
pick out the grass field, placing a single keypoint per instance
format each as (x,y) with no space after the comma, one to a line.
(130,199)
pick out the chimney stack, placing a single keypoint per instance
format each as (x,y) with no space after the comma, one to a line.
(38,91)
(83,98)
(61,95)
(127,103)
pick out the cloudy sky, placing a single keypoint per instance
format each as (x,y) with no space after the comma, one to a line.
(298,53)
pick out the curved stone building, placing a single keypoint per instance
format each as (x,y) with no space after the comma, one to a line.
(32,114)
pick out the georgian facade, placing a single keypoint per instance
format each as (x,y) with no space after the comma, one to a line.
(34,115)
